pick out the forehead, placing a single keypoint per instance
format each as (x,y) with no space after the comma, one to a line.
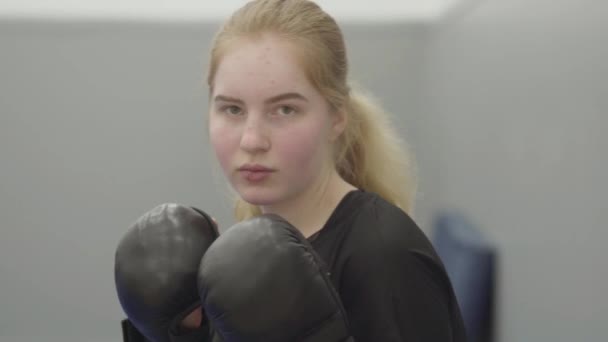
(259,66)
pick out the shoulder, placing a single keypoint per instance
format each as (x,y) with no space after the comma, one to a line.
(383,228)
(384,242)
(392,282)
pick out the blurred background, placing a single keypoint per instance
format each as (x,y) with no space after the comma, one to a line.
(504,103)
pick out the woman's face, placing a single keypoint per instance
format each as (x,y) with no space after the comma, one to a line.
(269,127)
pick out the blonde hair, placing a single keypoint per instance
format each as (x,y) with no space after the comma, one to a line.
(369,154)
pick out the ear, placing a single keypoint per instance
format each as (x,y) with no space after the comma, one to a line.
(339,119)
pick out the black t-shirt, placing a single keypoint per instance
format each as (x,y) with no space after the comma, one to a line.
(391,281)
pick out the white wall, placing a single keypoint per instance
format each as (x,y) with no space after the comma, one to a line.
(196,9)
(517,96)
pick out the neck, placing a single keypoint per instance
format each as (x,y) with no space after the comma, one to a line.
(309,210)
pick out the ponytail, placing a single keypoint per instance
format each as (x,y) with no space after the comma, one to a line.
(371,156)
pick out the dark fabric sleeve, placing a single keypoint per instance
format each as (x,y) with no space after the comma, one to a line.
(202,334)
(130,333)
(398,295)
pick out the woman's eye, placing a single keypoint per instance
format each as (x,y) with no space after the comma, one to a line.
(286,110)
(232,110)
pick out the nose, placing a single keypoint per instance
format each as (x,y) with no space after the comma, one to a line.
(254,138)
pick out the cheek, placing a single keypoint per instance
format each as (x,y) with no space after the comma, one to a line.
(223,141)
(303,149)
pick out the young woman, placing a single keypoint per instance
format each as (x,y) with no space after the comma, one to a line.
(294,139)
(326,250)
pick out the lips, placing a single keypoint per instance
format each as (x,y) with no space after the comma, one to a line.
(255,168)
(255,172)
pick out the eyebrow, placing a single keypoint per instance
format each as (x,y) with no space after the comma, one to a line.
(274,99)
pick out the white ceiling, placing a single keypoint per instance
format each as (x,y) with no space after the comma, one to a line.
(185,10)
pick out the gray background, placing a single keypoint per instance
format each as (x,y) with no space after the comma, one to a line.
(504,105)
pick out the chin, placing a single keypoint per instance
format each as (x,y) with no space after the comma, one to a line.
(257,195)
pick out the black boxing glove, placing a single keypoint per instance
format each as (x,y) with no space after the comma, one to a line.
(261,281)
(155,272)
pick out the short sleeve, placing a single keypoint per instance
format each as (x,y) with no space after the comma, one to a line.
(395,294)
